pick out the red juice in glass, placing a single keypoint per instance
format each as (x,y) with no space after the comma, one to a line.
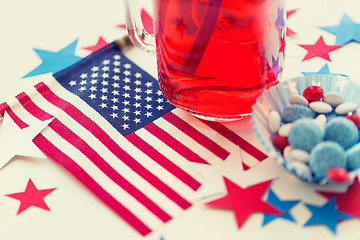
(215,57)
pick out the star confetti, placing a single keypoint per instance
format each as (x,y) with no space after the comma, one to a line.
(282,45)
(147,21)
(280,21)
(319,49)
(244,201)
(232,168)
(346,31)
(348,202)
(18,142)
(284,206)
(55,61)
(276,68)
(122,25)
(100,44)
(324,70)
(31,197)
(327,215)
(290,32)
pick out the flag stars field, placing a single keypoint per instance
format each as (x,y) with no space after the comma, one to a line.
(117,88)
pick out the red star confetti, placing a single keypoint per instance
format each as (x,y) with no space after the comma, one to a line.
(31,197)
(347,202)
(282,45)
(147,21)
(290,32)
(123,26)
(100,44)
(319,49)
(180,26)
(232,169)
(245,201)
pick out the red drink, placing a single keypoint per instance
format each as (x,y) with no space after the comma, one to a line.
(215,57)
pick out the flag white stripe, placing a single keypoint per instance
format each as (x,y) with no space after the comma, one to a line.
(121,140)
(204,129)
(118,193)
(176,158)
(154,194)
(141,184)
(190,143)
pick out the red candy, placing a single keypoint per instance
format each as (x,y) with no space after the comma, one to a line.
(339,175)
(280,142)
(355,119)
(313,93)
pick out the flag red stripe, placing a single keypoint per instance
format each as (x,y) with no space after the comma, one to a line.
(196,135)
(30,106)
(163,161)
(66,162)
(173,143)
(3,107)
(100,134)
(236,139)
(14,117)
(82,146)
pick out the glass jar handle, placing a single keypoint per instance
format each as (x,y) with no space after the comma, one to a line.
(137,33)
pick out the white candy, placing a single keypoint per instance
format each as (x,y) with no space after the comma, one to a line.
(285,129)
(274,121)
(300,155)
(298,99)
(320,120)
(287,153)
(333,98)
(320,107)
(301,169)
(345,108)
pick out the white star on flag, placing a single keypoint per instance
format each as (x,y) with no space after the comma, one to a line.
(15,141)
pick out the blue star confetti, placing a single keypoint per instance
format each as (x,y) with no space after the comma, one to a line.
(284,206)
(55,61)
(346,31)
(324,70)
(327,215)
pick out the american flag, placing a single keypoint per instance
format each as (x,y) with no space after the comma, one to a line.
(114,131)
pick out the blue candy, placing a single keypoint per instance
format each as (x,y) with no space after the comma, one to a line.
(342,131)
(293,112)
(305,134)
(324,156)
(330,116)
(353,157)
